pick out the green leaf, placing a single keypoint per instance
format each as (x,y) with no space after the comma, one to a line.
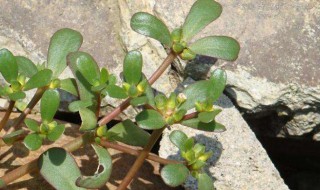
(202,13)
(89,69)
(132,67)
(49,104)
(17,96)
(56,132)
(104,76)
(207,117)
(8,65)
(128,133)
(33,141)
(40,79)
(205,89)
(139,101)
(178,138)
(32,124)
(115,91)
(99,88)
(222,47)
(150,95)
(77,105)
(9,139)
(62,43)
(99,179)
(188,144)
(212,126)
(88,118)
(84,87)
(150,119)
(59,168)
(174,174)
(26,66)
(69,85)
(149,25)
(205,182)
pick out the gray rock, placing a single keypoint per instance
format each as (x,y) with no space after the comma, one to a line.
(239,160)
(278,66)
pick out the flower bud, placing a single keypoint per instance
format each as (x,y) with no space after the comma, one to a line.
(101,131)
(187,55)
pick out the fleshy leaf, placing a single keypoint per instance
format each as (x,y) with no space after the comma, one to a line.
(40,79)
(222,47)
(49,104)
(8,65)
(132,67)
(115,91)
(59,168)
(150,119)
(77,105)
(17,96)
(212,126)
(100,178)
(174,174)
(207,117)
(62,43)
(205,89)
(9,139)
(104,75)
(187,145)
(56,132)
(178,138)
(88,118)
(149,25)
(26,66)
(89,69)
(33,141)
(205,182)
(139,101)
(69,85)
(202,13)
(32,124)
(128,133)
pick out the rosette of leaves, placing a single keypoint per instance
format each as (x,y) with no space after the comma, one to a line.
(48,129)
(202,13)
(195,156)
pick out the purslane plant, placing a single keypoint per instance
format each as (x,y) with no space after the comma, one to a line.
(193,107)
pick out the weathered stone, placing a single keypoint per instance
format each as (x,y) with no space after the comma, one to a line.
(278,65)
(239,160)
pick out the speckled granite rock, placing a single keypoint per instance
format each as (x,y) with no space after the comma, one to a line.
(239,160)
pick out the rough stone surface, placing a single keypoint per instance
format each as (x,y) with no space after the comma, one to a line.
(278,66)
(239,160)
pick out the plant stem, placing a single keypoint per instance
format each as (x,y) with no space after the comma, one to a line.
(7,115)
(37,96)
(139,161)
(171,56)
(135,152)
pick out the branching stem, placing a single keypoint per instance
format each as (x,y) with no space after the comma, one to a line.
(7,115)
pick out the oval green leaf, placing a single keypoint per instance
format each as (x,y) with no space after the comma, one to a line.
(99,179)
(222,47)
(149,25)
(212,126)
(207,117)
(26,66)
(89,69)
(150,119)
(202,13)
(17,96)
(139,101)
(56,133)
(11,138)
(178,138)
(33,141)
(104,76)
(132,67)
(40,79)
(69,85)
(174,174)
(8,65)
(59,168)
(49,104)
(33,125)
(205,182)
(88,118)
(128,133)
(115,91)
(62,43)
(77,105)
